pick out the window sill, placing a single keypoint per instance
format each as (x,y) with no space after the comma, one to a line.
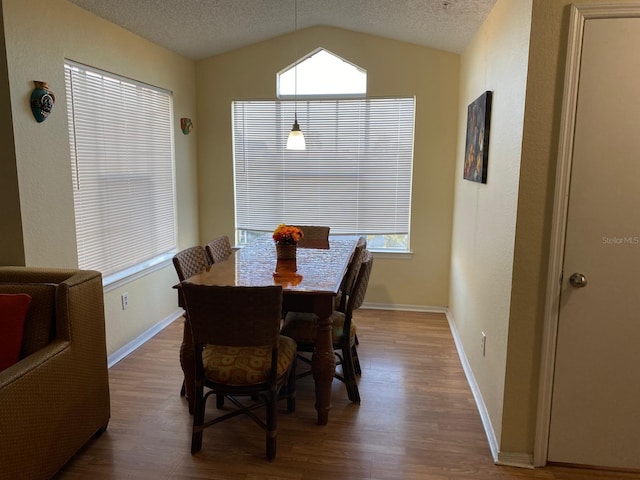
(406,255)
(111,282)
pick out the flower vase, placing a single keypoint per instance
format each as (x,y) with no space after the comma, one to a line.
(286,268)
(286,252)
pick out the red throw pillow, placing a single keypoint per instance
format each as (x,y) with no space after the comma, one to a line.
(13,311)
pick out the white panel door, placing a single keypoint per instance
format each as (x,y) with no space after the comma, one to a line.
(595,411)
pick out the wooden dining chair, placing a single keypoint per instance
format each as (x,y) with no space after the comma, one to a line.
(302,328)
(188,262)
(218,249)
(239,352)
(314,236)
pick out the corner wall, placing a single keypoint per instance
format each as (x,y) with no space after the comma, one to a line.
(485,214)
(547,59)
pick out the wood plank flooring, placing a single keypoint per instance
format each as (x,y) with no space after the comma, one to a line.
(417,420)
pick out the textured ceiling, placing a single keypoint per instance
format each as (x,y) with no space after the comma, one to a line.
(200,28)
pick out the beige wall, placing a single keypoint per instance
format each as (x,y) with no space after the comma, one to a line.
(393,68)
(521,288)
(549,33)
(485,214)
(39,35)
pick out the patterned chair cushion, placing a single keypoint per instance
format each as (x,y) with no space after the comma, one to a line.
(245,365)
(302,327)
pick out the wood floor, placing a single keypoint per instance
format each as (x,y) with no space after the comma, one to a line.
(417,420)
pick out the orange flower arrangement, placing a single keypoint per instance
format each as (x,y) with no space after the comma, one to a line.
(287,234)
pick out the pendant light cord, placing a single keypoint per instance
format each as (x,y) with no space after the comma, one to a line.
(295,140)
(295,73)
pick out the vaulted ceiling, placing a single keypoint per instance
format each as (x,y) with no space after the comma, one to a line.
(201,28)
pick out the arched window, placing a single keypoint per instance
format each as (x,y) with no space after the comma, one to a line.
(355,175)
(322,73)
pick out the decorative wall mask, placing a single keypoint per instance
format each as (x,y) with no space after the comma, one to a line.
(42,100)
(186,125)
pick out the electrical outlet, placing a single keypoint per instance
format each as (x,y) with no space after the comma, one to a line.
(125,301)
(483,343)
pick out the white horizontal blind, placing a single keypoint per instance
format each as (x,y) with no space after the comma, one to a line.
(121,138)
(354,176)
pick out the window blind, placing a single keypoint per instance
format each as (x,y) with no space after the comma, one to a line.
(121,138)
(355,175)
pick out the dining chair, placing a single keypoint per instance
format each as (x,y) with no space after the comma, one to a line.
(314,236)
(218,249)
(188,262)
(302,328)
(239,352)
(367,260)
(340,301)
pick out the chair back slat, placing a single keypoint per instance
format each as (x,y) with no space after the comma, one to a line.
(232,315)
(352,271)
(359,289)
(218,249)
(190,261)
(314,236)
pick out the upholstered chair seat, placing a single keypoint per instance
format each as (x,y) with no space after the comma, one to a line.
(245,365)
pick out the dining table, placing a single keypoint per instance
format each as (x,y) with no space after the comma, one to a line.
(310,283)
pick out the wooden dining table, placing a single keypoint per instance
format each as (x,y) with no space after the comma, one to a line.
(310,284)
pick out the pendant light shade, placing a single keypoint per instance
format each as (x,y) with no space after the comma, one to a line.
(295,141)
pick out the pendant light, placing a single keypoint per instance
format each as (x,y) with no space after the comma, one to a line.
(295,141)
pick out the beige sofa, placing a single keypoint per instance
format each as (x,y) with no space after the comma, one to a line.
(57,396)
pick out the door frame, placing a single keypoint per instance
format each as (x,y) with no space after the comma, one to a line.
(579,14)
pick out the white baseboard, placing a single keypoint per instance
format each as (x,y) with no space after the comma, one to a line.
(122,352)
(512,459)
(515,459)
(475,390)
(404,308)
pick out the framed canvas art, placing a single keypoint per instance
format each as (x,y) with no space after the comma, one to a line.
(476,155)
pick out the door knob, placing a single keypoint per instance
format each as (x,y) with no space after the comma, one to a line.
(578,280)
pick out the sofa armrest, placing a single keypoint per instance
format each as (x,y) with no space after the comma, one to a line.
(28,366)
(55,399)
